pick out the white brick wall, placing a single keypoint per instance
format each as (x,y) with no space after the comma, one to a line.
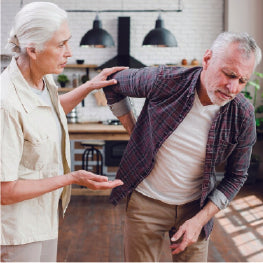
(195,28)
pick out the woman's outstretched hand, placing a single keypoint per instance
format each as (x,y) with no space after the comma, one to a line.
(93,181)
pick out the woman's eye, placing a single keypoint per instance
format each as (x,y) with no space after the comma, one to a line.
(61,45)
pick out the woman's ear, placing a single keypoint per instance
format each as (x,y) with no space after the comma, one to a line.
(31,52)
(206,58)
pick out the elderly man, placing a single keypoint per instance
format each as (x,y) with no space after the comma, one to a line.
(192,120)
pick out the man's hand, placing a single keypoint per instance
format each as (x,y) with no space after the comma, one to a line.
(93,181)
(188,232)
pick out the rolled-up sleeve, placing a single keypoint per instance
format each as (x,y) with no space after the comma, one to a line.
(237,163)
(121,108)
(219,199)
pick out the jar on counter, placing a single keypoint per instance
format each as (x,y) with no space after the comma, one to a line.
(75,80)
(72,117)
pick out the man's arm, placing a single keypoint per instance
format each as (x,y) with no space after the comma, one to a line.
(219,198)
(191,229)
(136,83)
(128,121)
(131,83)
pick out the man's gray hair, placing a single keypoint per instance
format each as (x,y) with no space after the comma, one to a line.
(247,44)
(34,25)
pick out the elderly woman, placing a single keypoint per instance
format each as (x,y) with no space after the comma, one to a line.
(35,157)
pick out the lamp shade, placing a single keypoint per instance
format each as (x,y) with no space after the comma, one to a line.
(97,37)
(160,36)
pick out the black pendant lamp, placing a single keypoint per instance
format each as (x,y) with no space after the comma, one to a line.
(97,37)
(160,36)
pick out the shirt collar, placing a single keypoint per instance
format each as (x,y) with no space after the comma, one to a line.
(195,84)
(27,97)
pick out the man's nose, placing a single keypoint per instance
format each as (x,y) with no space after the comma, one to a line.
(233,86)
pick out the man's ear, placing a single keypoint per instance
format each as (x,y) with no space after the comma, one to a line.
(31,51)
(206,58)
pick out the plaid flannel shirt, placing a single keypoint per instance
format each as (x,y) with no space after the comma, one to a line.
(169,93)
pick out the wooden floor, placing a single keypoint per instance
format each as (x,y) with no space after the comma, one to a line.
(92,230)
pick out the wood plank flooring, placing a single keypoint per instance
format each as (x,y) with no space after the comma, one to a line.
(92,230)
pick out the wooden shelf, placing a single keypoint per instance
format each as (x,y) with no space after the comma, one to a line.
(65,89)
(81,66)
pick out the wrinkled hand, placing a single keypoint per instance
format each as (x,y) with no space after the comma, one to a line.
(93,181)
(188,232)
(100,81)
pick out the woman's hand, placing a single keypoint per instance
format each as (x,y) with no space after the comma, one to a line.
(100,81)
(93,181)
(71,99)
(16,191)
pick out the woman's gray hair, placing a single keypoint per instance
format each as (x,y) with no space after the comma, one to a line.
(34,25)
(247,44)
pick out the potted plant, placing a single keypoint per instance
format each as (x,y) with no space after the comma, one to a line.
(63,80)
(255,85)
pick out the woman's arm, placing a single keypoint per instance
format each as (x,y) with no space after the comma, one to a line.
(71,99)
(20,190)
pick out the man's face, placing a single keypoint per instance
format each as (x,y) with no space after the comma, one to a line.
(225,75)
(53,58)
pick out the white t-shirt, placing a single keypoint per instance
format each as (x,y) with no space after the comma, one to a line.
(45,97)
(178,172)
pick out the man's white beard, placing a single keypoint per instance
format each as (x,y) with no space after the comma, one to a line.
(216,101)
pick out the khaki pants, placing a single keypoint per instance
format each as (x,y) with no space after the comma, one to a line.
(146,222)
(42,251)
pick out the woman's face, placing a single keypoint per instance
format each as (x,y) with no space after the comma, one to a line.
(53,58)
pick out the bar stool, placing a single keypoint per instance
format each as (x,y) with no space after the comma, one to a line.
(91,154)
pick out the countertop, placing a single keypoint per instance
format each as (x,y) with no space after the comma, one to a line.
(97,131)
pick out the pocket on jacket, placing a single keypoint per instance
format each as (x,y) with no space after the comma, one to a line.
(38,155)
